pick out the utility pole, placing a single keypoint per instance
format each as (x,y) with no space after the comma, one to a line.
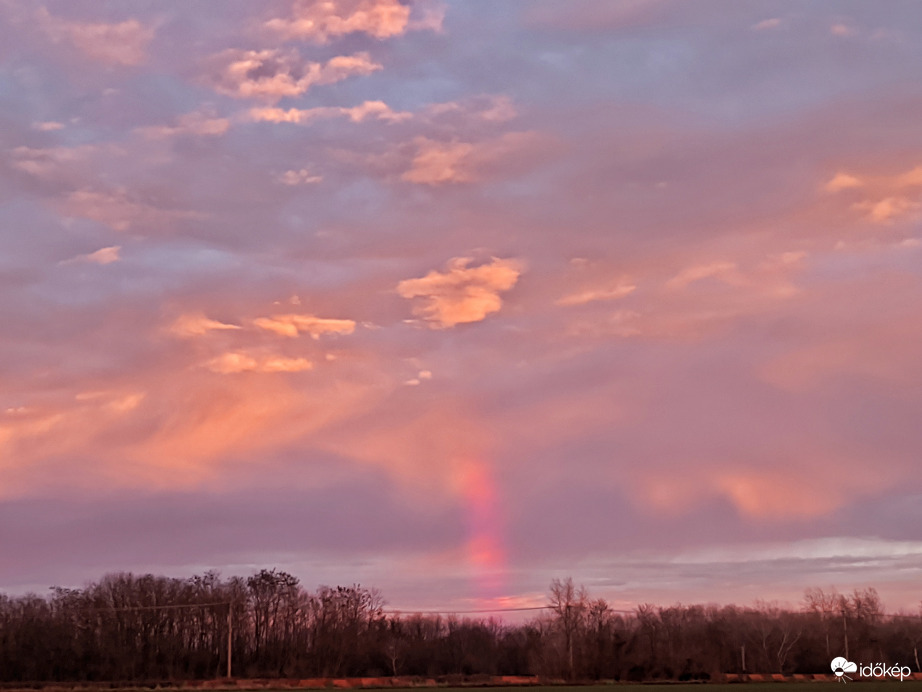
(845,630)
(230,638)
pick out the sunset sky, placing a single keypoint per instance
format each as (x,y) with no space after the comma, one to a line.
(454,297)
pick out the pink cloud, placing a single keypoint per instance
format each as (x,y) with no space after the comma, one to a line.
(299,177)
(825,360)
(377,110)
(702,298)
(767,24)
(106,255)
(911,178)
(271,75)
(197,324)
(888,209)
(124,43)
(322,21)
(293,325)
(723,271)
(439,162)
(236,362)
(166,431)
(496,108)
(590,295)
(842,181)
(48,126)
(888,198)
(120,209)
(782,492)
(842,30)
(194,123)
(55,163)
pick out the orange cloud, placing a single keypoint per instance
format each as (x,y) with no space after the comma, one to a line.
(842,181)
(293,325)
(164,431)
(462,293)
(436,163)
(124,43)
(321,21)
(723,271)
(773,495)
(890,197)
(369,109)
(271,75)
(197,325)
(593,294)
(299,177)
(30,436)
(429,449)
(704,296)
(888,209)
(440,162)
(420,377)
(120,210)
(780,494)
(912,178)
(229,363)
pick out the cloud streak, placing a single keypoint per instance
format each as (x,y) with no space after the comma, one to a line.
(122,43)
(292,325)
(233,363)
(376,110)
(106,255)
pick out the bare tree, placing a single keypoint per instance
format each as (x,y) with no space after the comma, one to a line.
(569,604)
(824,606)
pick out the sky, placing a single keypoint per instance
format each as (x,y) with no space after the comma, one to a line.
(452,298)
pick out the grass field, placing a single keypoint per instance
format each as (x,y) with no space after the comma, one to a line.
(864,686)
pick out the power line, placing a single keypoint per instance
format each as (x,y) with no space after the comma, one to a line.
(484,610)
(207,604)
(178,606)
(104,609)
(461,612)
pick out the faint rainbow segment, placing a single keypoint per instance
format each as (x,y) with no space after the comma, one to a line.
(486,551)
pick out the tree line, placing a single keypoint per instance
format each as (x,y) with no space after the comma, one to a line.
(152,628)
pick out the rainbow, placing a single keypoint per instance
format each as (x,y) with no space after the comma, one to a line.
(485,545)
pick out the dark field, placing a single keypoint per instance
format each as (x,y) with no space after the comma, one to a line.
(864,686)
